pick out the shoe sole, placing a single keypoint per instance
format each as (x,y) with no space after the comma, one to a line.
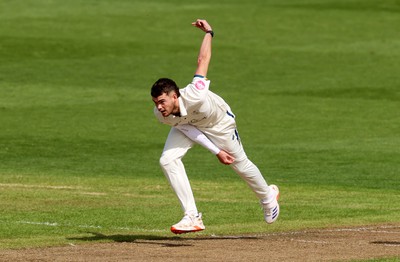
(179,231)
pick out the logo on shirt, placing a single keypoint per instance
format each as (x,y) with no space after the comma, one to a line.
(200,85)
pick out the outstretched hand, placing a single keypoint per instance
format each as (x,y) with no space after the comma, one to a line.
(202,24)
(225,158)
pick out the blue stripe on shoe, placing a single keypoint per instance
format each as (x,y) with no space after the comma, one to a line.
(275,212)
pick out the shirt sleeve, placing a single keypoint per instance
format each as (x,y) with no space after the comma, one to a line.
(197,90)
(197,136)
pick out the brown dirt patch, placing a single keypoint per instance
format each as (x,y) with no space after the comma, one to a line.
(309,245)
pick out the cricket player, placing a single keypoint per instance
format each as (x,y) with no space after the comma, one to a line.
(197,115)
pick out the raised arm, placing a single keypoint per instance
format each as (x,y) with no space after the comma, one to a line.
(204,57)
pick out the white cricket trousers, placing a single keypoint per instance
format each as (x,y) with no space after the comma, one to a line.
(176,146)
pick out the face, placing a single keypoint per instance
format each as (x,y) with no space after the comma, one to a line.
(167,104)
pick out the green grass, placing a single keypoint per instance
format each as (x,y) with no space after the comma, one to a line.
(379,260)
(314,85)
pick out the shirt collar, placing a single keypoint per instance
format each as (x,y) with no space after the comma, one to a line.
(182,108)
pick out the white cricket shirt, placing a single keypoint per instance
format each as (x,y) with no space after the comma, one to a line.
(199,107)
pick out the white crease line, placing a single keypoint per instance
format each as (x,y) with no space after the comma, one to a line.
(310,241)
(39,186)
(360,229)
(364,229)
(86,226)
(54,187)
(39,223)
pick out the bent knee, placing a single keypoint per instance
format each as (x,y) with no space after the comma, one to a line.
(166,160)
(163,161)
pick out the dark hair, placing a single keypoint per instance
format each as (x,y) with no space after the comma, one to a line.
(164,85)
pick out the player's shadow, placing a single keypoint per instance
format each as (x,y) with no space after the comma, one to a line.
(174,241)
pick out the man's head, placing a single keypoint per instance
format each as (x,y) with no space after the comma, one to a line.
(165,95)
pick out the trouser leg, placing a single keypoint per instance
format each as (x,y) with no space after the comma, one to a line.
(229,141)
(250,173)
(175,148)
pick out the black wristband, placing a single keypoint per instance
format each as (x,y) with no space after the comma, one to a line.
(211,32)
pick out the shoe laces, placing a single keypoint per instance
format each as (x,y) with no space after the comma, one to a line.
(190,218)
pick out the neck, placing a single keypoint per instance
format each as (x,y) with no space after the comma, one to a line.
(176,111)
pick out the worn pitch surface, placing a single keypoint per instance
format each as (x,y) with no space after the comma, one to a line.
(309,245)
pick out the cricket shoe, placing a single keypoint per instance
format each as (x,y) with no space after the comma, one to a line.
(271,209)
(189,223)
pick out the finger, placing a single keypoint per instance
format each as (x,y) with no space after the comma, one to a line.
(197,25)
(201,22)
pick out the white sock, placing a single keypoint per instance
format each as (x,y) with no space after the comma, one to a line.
(192,213)
(271,197)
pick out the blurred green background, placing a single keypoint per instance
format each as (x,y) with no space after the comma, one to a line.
(314,85)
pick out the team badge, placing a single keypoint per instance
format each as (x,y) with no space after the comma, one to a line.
(200,85)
